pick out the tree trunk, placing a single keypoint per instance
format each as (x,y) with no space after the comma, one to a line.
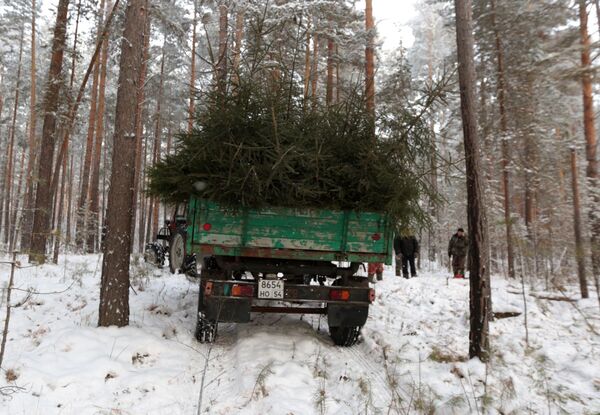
(84,203)
(27,221)
(157,137)
(591,144)
(69,204)
(222,62)
(480,295)
(16,207)
(307,65)
(329,89)
(370,59)
(8,174)
(237,48)
(579,249)
(191,108)
(94,197)
(41,219)
(138,198)
(314,73)
(505,148)
(61,194)
(114,290)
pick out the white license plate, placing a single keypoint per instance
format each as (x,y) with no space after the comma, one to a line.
(270,289)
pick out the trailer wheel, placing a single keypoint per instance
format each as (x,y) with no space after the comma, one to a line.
(206,330)
(344,336)
(176,251)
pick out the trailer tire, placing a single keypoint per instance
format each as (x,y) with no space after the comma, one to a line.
(344,336)
(206,330)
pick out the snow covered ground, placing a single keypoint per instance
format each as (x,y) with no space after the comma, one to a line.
(412,359)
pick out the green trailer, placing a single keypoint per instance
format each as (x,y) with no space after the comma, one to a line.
(285,260)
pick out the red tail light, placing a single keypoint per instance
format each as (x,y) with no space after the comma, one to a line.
(376,237)
(208,288)
(239,290)
(207,227)
(339,295)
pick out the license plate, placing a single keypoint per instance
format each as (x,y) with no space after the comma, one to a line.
(270,289)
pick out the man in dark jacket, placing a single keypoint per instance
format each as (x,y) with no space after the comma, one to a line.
(457,250)
(407,247)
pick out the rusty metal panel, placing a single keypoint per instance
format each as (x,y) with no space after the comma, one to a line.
(316,234)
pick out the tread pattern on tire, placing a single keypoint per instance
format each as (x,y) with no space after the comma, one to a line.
(345,336)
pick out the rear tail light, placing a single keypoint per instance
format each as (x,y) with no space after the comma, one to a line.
(208,288)
(207,227)
(239,290)
(376,237)
(339,295)
(371,295)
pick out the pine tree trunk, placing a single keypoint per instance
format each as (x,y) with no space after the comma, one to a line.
(307,65)
(27,220)
(138,198)
(191,108)
(157,136)
(480,295)
(237,48)
(330,63)
(17,206)
(8,174)
(370,59)
(505,148)
(41,219)
(83,205)
(69,204)
(61,194)
(92,242)
(114,291)
(579,249)
(222,62)
(591,143)
(314,72)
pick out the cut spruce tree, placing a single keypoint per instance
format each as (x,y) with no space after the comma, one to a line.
(262,148)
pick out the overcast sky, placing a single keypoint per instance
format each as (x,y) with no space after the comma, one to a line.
(392,18)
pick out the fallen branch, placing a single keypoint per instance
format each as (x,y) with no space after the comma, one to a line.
(553,297)
(506,314)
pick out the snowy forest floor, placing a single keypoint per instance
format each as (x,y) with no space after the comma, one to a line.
(412,358)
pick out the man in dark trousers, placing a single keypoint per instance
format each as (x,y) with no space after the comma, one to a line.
(457,250)
(407,247)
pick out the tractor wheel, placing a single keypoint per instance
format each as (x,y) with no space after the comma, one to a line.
(176,251)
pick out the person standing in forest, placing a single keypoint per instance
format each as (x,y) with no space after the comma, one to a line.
(457,250)
(406,248)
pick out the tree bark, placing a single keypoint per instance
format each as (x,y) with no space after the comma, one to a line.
(307,65)
(138,205)
(591,143)
(83,204)
(57,232)
(505,149)
(222,62)
(370,59)
(480,295)
(8,174)
(27,219)
(579,249)
(237,48)
(43,202)
(314,72)
(94,196)
(330,64)
(114,290)
(191,108)
(17,206)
